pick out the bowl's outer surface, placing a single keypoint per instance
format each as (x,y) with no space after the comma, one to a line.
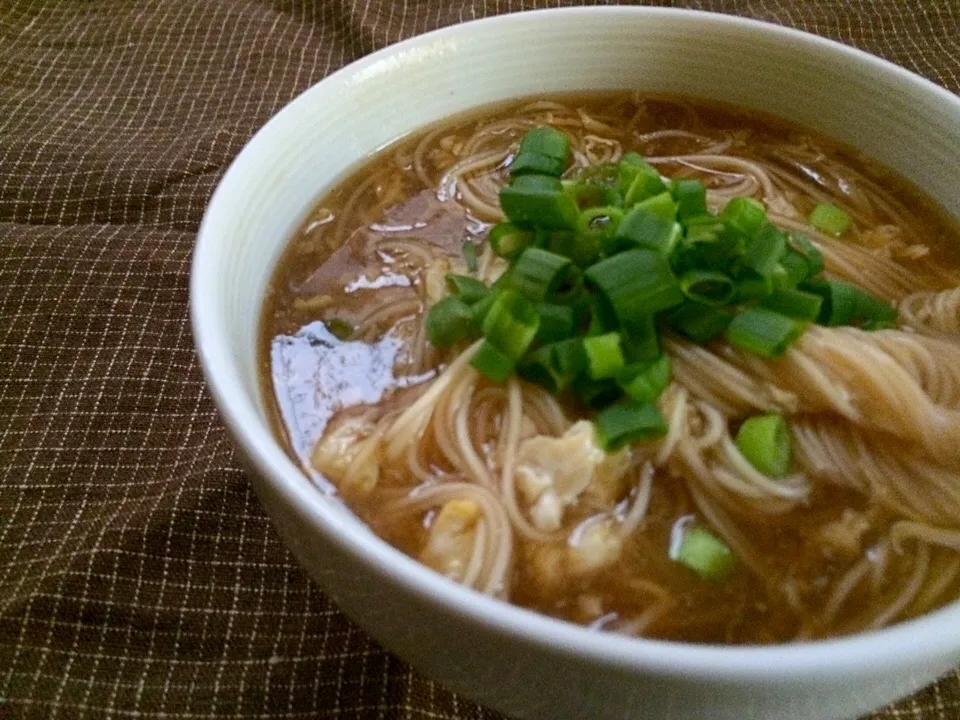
(511,659)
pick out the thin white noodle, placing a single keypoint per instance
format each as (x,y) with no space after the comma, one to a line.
(909,592)
(508,490)
(638,510)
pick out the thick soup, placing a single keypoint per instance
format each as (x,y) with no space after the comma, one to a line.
(786,489)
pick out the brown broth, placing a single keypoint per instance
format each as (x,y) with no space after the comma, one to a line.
(310,379)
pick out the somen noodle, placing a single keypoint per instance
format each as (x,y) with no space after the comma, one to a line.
(504,486)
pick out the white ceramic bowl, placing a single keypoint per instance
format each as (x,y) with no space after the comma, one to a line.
(511,659)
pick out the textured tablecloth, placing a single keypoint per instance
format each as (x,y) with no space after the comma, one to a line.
(139,576)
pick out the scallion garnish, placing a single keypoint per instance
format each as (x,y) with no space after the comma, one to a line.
(466,288)
(705,554)
(543,275)
(624,424)
(599,223)
(763,331)
(641,340)
(450,321)
(843,304)
(795,303)
(638,179)
(745,215)
(557,322)
(538,368)
(801,245)
(605,259)
(548,142)
(531,163)
(635,284)
(511,323)
(509,240)
(643,382)
(539,201)
(470,256)
(492,362)
(597,394)
(795,269)
(691,197)
(762,252)
(644,228)
(764,440)
(604,355)
(829,219)
(707,287)
(700,323)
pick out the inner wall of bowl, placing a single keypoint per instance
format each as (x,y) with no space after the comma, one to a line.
(907,124)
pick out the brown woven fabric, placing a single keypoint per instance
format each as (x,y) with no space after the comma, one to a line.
(138,574)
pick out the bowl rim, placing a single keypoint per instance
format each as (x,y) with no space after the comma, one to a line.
(902,644)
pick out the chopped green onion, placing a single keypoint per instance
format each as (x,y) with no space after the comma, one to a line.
(802,245)
(700,323)
(764,440)
(538,368)
(595,186)
(556,323)
(641,341)
(644,228)
(450,321)
(708,247)
(482,307)
(626,424)
(795,303)
(662,205)
(531,163)
(746,215)
(568,357)
(707,287)
(779,279)
(470,256)
(706,555)
(599,262)
(492,362)
(691,197)
(468,289)
(635,161)
(546,141)
(763,251)
(638,179)
(843,304)
(602,320)
(604,355)
(539,200)
(636,284)
(542,275)
(644,186)
(511,324)
(795,269)
(508,240)
(703,220)
(598,223)
(643,382)
(503,281)
(339,328)
(597,394)
(751,286)
(764,332)
(582,249)
(829,219)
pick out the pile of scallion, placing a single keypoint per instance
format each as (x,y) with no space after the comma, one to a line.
(603,262)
